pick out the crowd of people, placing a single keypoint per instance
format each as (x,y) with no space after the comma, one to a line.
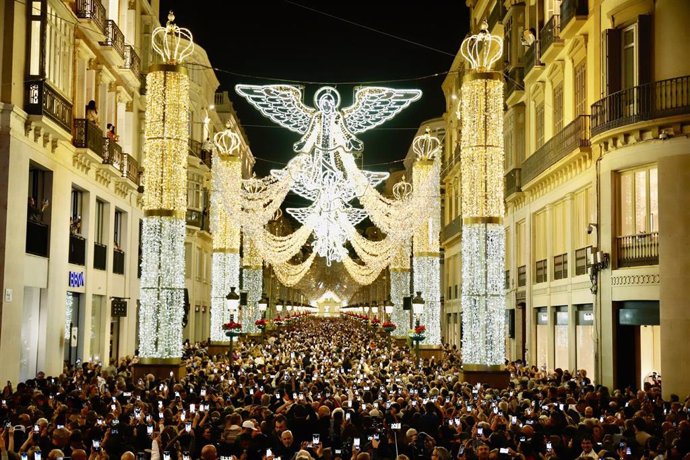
(333,388)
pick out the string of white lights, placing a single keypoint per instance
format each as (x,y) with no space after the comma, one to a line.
(289,274)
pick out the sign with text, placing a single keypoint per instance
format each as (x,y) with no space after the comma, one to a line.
(76,279)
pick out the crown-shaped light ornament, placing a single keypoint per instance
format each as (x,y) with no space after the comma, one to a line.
(172,43)
(426,146)
(402,189)
(227,142)
(254,185)
(482,50)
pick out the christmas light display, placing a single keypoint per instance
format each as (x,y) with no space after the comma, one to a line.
(483,250)
(165,197)
(252,278)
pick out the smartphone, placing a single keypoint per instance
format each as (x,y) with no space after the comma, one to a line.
(503,450)
(192,408)
(36,429)
(522,438)
(513,419)
(414,402)
(315,439)
(347,416)
(188,427)
(37,455)
(186,456)
(202,392)
(269,452)
(461,451)
(166,454)
(24,456)
(127,394)
(355,443)
(628,451)
(338,452)
(480,431)
(149,430)
(549,446)
(96,443)
(113,407)
(395,426)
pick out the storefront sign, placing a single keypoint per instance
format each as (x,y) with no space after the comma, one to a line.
(76,279)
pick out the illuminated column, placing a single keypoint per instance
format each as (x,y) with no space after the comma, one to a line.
(400,287)
(252,284)
(483,246)
(226,173)
(165,195)
(426,260)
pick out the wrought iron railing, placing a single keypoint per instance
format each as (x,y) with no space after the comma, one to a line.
(93,10)
(88,135)
(532,56)
(513,183)
(550,33)
(112,154)
(571,9)
(130,170)
(41,99)
(114,37)
(522,276)
(77,249)
(100,256)
(515,81)
(639,249)
(497,14)
(453,228)
(560,266)
(37,238)
(118,261)
(653,100)
(582,262)
(575,135)
(132,61)
(540,273)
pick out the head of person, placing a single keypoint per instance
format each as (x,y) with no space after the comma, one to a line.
(440,453)
(79,454)
(287,438)
(209,452)
(129,455)
(280,424)
(483,451)
(586,444)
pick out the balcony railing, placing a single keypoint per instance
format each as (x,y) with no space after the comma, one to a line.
(118,261)
(100,256)
(114,37)
(506,281)
(77,249)
(522,276)
(37,238)
(88,135)
(532,56)
(653,100)
(550,33)
(452,229)
(93,10)
(560,266)
(132,61)
(575,135)
(497,14)
(540,273)
(571,9)
(112,154)
(130,170)
(636,250)
(515,81)
(41,99)
(513,183)
(582,262)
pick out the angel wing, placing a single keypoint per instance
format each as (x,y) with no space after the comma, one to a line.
(281,103)
(375,105)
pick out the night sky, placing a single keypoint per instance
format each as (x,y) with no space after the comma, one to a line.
(280,41)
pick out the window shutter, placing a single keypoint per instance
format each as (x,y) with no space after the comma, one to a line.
(644,49)
(612,62)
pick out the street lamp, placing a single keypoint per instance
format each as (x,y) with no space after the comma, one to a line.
(417,309)
(279,306)
(233,305)
(263,304)
(388,307)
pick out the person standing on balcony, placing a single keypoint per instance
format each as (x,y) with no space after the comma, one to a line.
(92,112)
(110,132)
(35,212)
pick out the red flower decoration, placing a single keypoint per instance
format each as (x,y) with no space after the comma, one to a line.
(260,323)
(231,325)
(419,330)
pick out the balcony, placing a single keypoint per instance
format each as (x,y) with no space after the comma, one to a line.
(114,39)
(498,12)
(637,250)
(532,58)
(506,281)
(560,266)
(452,229)
(513,184)
(88,135)
(100,256)
(550,39)
(118,261)
(515,85)
(582,260)
(77,249)
(42,100)
(573,16)
(133,65)
(113,156)
(130,171)
(194,218)
(37,238)
(650,101)
(199,150)
(540,271)
(92,13)
(574,136)
(522,276)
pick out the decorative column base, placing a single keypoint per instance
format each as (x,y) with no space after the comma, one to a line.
(494,377)
(160,368)
(427,351)
(218,348)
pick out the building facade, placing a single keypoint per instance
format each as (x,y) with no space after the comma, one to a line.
(595,126)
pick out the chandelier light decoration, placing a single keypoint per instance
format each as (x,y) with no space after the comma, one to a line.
(226,176)
(483,247)
(426,266)
(165,197)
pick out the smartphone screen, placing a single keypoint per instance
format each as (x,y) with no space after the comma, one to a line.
(355,443)
(166,455)
(480,431)
(548,446)
(188,427)
(315,438)
(149,430)
(269,452)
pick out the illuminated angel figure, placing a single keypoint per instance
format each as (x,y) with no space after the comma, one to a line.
(325,127)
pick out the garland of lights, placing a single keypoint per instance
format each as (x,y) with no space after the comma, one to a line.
(252,278)
(164,199)
(483,246)
(289,274)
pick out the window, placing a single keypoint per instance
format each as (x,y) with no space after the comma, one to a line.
(194,191)
(199,264)
(76,211)
(539,245)
(558,108)
(581,88)
(639,201)
(100,222)
(583,214)
(539,124)
(629,57)
(117,236)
